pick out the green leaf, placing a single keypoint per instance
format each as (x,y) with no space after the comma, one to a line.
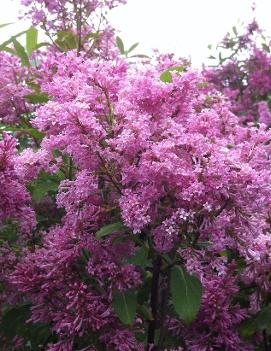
(234,29)
(10,51)
(20,50)
(186,292)
(124,304)
(166,76)
(8,232)
(141,56)
(109,229)
(92,35)
(259,322)
(120,45)
(45,183)
(266,48)
(31,40)
(14,321)
(38,98)
(40,45)
(5,24)
(31,131)
(66,40)
(140,258)
(9,41)
(145,312)
(133,47)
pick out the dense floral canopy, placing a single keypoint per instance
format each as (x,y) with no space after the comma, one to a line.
(135,211)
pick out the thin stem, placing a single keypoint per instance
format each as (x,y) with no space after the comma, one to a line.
(154,300)
(265,341)
(164,303)
(79,27)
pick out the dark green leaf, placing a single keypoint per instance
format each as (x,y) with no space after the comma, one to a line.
(266,47)
(109,229)
(31,40)
(145,312)
(20,51)
(259,322)
(124,304)
(45,183)
(8,232)
(14,321)
(186,292)
(120,45)
(140,258)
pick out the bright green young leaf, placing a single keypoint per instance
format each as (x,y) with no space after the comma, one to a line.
(166,76)
(92,36)
(124,304)
(20,51)
(38,98)
(120,45)
(10,51)
(109,229)
(31,40)
(40,45)
(31,131)
(66,40)
(186,292)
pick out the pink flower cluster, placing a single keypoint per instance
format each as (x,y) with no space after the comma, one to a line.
(13,89)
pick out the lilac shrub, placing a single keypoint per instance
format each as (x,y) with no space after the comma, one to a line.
(243,74)
(152,206)
(75,24)
(155,172)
